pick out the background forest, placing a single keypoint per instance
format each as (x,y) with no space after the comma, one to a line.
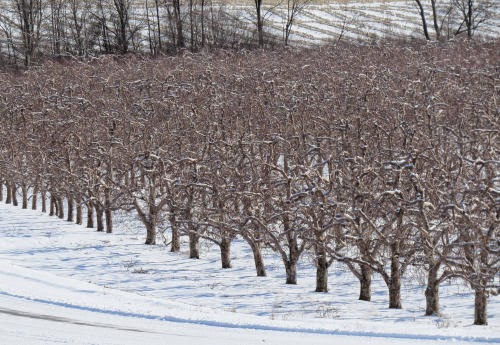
(31,30)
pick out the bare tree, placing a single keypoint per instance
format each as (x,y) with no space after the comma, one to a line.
(473,14)
(293,8)
(260,22)
(285,228)
(177,16)
(79,25)
(29,19)
(58,26)
(421,10)
(442,13)
(122,8)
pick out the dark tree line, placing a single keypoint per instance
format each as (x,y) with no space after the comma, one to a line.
(380,157)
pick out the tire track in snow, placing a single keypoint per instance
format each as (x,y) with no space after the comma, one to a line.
(47,317)
(367,334)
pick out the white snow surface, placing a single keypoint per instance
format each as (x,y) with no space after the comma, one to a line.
(61,283)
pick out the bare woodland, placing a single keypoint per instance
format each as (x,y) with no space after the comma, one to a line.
(380,157)
(32,30)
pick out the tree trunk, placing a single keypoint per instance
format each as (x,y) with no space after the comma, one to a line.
(437,28)
(79,214)
(194,244)
(225,252)
(122,12)
(191,26)
(158,24)
(178,23)
(258,259)
(365,283)
(202,23)
(13,189)
(176,236)
(109,220)
(291,272)
(422,16)
(8,198)
(90,215)
(108,212)
(150,234)
(470,18)
(34,198)
(60,207)
(395,294)
(432,292)
(24,192)
(321,271)
(480,307)
(71,206)
(395,279)
(260,24)
(1,190)
(44,200)
(53,205)
(99,213)
(152,45)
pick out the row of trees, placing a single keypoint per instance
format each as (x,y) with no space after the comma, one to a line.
(30,29)
(380,157)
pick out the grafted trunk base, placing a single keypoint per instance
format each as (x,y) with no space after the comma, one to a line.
(79,214)
(365,293)
(175,246)
(71,206)
(225,253)
(480,307)
(291,273)
(260,268)
(99,214)
(90,216)
(109,221)
(322,275)
(194,245)
(150,234)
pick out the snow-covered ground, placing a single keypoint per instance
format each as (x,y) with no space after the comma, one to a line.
(63,283)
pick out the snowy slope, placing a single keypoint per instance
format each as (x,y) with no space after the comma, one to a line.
(62,283)
(49,309)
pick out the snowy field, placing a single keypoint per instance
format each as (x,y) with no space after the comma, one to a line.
(327,22)
(64,284)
